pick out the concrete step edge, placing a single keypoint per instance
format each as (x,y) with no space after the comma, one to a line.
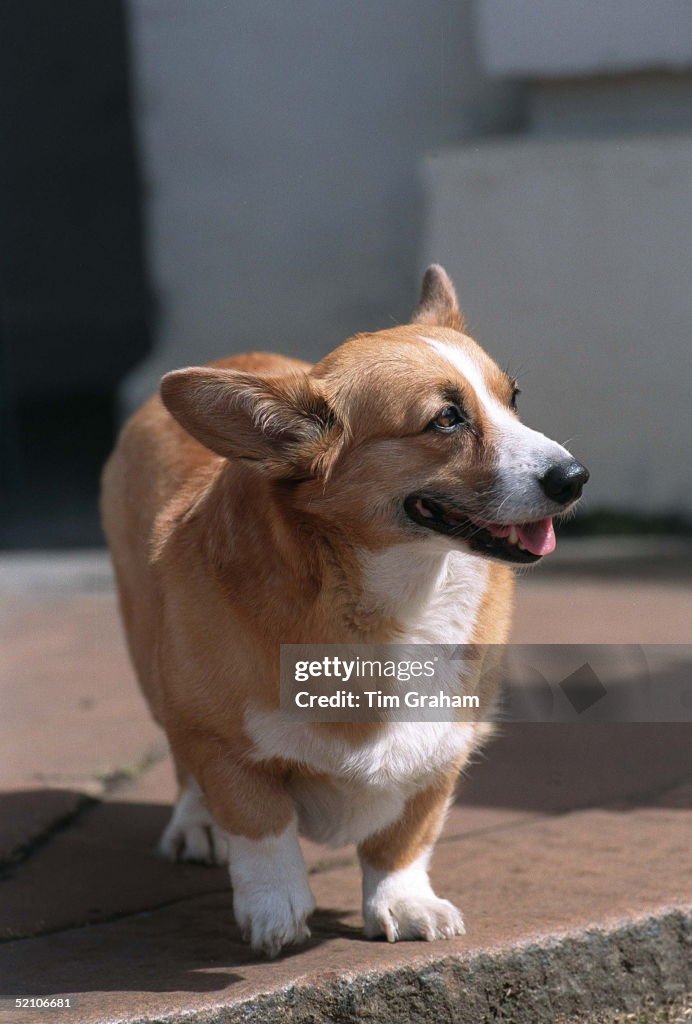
(599,970)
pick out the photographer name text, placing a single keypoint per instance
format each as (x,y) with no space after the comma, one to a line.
(379,699)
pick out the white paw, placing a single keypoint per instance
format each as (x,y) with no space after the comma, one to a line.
(418,917)
(402,905)
(271,895)
(192,834)
(270,919)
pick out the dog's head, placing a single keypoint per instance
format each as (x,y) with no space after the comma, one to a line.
(405,433)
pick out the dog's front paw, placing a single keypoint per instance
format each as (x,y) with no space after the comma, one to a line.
(402,905)
(271,893)
(417,917)
(270,919)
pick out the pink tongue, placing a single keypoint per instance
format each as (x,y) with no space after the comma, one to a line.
(538,538)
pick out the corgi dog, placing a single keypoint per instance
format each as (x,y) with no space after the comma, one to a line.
(381,495)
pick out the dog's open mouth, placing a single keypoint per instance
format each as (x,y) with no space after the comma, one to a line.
(519,542)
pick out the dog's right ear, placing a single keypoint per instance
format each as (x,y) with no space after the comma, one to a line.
(438,304)
(280,423)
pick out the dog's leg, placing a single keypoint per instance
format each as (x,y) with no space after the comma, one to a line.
(192,834)
(271,894)
(398,900)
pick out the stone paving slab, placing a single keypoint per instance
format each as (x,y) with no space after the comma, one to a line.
(547,878)
(71,714)
(581,611)
(560,830)
(27,814)
(631,972)
(72,718)
(107,866)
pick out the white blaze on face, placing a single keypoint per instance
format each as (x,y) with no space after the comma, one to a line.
(523,455)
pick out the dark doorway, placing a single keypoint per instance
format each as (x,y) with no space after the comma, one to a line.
(75,304)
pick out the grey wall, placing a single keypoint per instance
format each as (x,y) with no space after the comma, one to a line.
(283,146)
(572,260)
(561,37)
(282,143)
(571,244)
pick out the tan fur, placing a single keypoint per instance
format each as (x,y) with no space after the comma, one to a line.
(438,303)
(415,831)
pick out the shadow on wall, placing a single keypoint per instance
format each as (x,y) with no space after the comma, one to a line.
(75,308)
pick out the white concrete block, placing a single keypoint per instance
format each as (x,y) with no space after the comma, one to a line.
(572,260)
(539,38)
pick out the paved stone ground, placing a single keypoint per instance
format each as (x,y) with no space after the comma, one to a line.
(568,848)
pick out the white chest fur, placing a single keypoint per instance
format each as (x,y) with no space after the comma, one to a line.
(366,787)
(433,592)
(435,595)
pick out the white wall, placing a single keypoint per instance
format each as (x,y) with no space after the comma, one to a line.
(572,259)
(542,38)
(281,145)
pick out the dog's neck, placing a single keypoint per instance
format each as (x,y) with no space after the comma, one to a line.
(308,581)
(432,592)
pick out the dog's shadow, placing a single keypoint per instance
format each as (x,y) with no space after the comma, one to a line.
(169,927)
(164,927)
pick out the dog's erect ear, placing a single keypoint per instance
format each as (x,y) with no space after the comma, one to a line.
(281,423)
(438,304)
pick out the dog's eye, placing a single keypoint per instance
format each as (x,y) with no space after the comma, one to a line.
(448,419)
(513,400)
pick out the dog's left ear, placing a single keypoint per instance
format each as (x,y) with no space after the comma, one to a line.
(281,424)
(438,304)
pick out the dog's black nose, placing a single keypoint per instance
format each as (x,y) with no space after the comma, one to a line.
(564,481)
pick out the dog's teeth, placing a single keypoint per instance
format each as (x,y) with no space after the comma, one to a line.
(513,536)
(521,546)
